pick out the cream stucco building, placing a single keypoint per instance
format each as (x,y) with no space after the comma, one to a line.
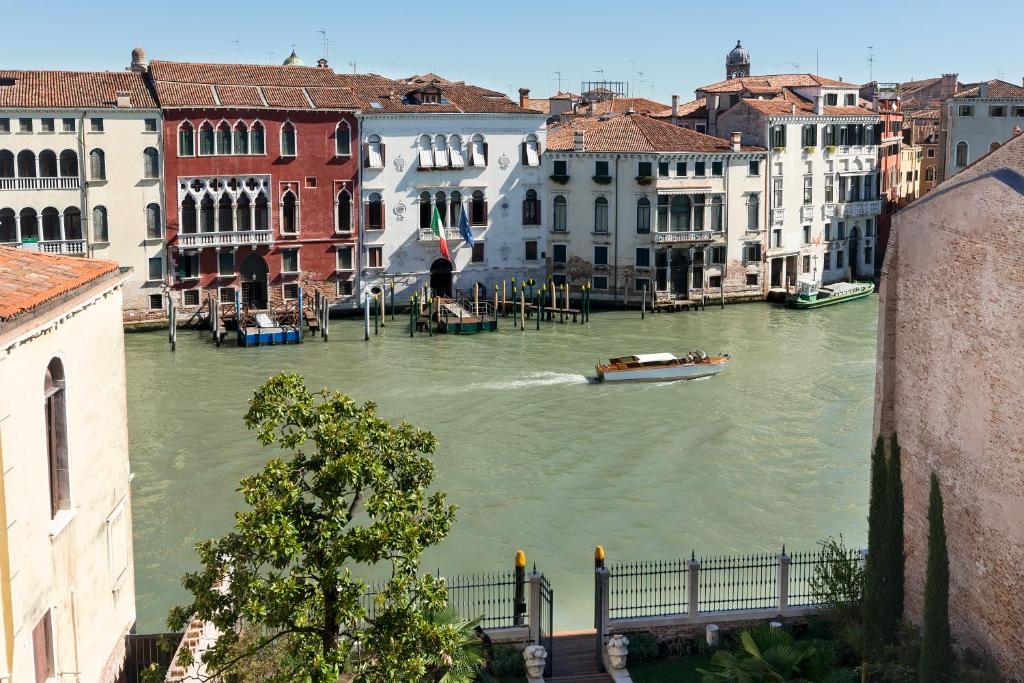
(67,594)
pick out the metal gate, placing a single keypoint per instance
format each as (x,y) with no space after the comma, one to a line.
(546,621)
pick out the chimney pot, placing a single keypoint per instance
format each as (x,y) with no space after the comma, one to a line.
(124,99)
(1016,131)
(737,140)
(524,94)
(792,109)
(819,105)
(578,141)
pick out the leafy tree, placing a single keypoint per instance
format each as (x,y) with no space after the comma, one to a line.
(353,494)
(765,654)
(838,585)
(878,624)
(936,646)
(895,556)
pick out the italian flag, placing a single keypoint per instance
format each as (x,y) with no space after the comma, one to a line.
(438,229)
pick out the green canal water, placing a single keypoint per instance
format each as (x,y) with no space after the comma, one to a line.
(773,451)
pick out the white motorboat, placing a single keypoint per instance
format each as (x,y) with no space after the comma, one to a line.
(661,367)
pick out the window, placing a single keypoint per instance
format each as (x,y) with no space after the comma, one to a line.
(5,125)
(455,151)
(642,284)
(97,165)
(455,207)
(150,125)
(156,267)
(993,111)
(100,232)
(991,148)
(26,164)
(698,169)
(807,234)
(24,125)
(643,169)
(186,140)
(715,214)
(96,125)
(226,295)
(754,167)
(477,151)
(531,151)
(439,204)
(600,282)
(560,213)
(558,253)
(47,164)
(290,291)
(717,256)
(68,125)
(156,302)
(47,125)
(929,174)
(601,214)
(600,255)
(827,261)
(809,135)
(931,153)
(42,647)
(478,253)
(560,168)
(56,437)
(344,288)
(966,110)
(150,163)
(478,209)
(240,138)
(343,140)
(426,154)
(374,154)
(311,181)
(869,255)
(344,258)
(289,142)
(805,266)
(643,216)
(778,136)
(716,169)
(258,139)
(752,252)
(808,190)
(841,230)
(663,169)
(777,237)
(961,153)
(601,169)
(225,263)
(206,138)
(531,208)
(440,152)
(701,128)
(530,250)
(830,188)
(375,257)
(777,192)
(850,100)
(343,213)
(831,99)
(753,212)
(223,138)
(375,212)
(676,212)
(828,232)
(839,259)
(681,169)
(289,213)
(752,279)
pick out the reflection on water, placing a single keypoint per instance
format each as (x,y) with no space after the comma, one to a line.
(771,451)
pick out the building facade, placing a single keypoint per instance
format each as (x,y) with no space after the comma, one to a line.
(80,172)
(432,145)
(976,121)
(261,172)
(961,420)
(639,205)
(67,585)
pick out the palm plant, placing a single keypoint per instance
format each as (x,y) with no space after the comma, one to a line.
(766,655)
(465,661)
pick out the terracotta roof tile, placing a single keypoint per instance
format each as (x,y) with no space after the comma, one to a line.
(64,89)
(392,96)
(286,98)
(996,88)
(634,133)
(538,104)
(694,109)
(239,95)
(28,279)
(620,105)
(774,83)
(783,106)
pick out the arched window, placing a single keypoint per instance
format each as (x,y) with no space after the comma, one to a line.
(188,214)
(55,421)
(51,224)
(601,214)
(243,217)
(8,226)
(225,214)
(241,138)
(289,213)
(643,215)
(206,215)
(206,138)
(374,152)
(425,210)
(344,212)
(6,163)
(150,163)
(440,151)
(455,151)
(289,141)
(262,212)
(961,153)
(991,148)
(29,225)
(223,138)
(73,223)
(426,156)
(100,232)
(455,207)
(531,151)
(680,210)
(440,202)
(560,214)
(531,208)
(154,228)
(753,212)
(929,174)
(477,151)
(258,138)
(715,209)
(375,211)
(186,140)
(47,164)
(97,165)
(26,164)
(478,209)
(69,163)
(343,140)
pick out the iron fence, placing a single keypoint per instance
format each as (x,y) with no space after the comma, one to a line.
(144,649)
(802,568)
(491,597)
(638,589)
(745,582)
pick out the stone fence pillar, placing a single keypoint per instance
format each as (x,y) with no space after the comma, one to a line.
(692,586)
(533,613)
(784,560)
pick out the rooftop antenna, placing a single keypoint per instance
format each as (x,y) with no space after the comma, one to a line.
(817,68)
(871,63)
(558,75)
(1000,74)
(632,80)
(325,44)
(270,56)
(796,66)
(235,41)
(353,65)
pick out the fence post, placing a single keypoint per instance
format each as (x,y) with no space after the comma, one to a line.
(692,587)
(783,581)
(519,601)
(601,613)
(534,612)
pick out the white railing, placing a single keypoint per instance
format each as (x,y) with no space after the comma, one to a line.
(862,208)
(70,183)
(676,236)
(778,215)
(806,213)
(224,239)
(74,247)
(427,235)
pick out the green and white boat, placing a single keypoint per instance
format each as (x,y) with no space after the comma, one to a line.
(811,294)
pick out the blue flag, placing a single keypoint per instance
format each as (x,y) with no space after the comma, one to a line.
(464,229)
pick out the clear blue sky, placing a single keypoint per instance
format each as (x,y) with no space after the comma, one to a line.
(507,45)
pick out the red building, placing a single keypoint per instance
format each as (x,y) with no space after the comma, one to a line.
(260,171)
(886,101)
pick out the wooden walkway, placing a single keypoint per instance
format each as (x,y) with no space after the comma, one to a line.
(575,659)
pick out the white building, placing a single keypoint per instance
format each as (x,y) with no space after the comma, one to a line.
(430,143)
(637,204)
(976,121)
(67,584)
(80,172)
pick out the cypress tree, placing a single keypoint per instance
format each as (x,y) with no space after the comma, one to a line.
(877,608)
(894,501)
(936,648)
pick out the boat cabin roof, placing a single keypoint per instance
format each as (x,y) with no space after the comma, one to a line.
(654,358)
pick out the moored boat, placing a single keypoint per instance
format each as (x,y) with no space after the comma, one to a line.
(661,367)
(809,294)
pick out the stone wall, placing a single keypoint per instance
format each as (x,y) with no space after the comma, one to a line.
(950,379)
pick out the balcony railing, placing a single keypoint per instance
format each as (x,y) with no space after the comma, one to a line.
(198,240)
(778,215)
(427,235)
(69,183)
(806,213)
(679,236)
(853,208)
(73,247)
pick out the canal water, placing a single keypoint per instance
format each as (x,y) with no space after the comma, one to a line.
(773,451)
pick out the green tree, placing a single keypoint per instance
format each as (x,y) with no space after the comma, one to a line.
(878,624)
(838,586)
(936,647)
(765,654)
(894,503)
(353,494)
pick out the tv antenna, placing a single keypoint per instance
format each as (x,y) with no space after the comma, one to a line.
(871,63)
(558,75)
(235,42)
(270,56)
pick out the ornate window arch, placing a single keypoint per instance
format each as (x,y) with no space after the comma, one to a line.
(343,211)
(343,139)
(375,211)
(455,207)
(26,164)
(440,151)
(289,212)
(531,150)
(426,208)
(207,146)
(441,206)
(257,138)
(425,151)
(753,212)
(224,137)
(531,208)
(477,150)
(262,212)
(241,138)
(47,164)
(188,221)
(455,151)
(373,155)
(643,215)
(97,165)
(55,421)
(69,163)
(289,140)
(186,139)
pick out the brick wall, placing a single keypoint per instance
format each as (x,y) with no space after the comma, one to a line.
(951,384)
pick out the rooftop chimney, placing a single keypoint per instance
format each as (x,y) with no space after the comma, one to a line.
(524,94)
(947,88)
(578,144)
(792,108)
(819,105)
(675,107)
(322,63)
(736,140)
(124,99)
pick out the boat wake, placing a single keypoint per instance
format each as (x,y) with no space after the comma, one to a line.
(533,379)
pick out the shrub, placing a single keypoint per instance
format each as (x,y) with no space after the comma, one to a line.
(643,647)
(842,676)
(508,662)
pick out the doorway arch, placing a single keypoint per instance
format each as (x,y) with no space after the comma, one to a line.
(254,274)
(441,277)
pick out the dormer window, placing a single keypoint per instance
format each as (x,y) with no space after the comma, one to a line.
(850,100)
(430,98)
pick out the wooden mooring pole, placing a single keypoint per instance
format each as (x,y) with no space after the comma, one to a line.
(522,310)
(366,317)
(643,303)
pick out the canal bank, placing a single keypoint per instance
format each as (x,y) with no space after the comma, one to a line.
(772,451)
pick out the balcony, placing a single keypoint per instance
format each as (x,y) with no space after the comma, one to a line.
(69,183)
(806,213)
(853,208)
(71,247)
(778,215)
(427,235)
(683,236)
(201,240)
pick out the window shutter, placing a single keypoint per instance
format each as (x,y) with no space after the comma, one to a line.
(537,204)
(484,220)
(522,153)
(383,162)
(366,155)
(526,208)
(383,214)
(366,214)
(485,163)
